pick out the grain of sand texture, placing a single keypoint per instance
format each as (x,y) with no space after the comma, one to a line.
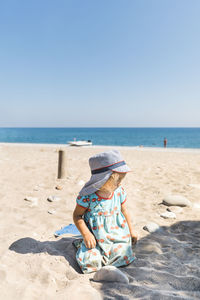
(36,265)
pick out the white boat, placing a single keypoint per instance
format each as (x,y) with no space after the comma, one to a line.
(80,143)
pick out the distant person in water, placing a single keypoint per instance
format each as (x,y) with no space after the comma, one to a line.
(165,142)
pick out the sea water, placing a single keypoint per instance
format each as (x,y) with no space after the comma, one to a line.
(147,137)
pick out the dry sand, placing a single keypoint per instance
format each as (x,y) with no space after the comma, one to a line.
(36,265)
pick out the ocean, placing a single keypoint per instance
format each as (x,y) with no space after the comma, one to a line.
(147,137)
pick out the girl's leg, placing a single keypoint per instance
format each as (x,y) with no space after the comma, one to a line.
(89,260)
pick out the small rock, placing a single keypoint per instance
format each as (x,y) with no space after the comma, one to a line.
(110,273)
(53,198)
(51,212)
(36,188)
(58,187)
(176,200)
(168,215)
(81,182)
(197,186)
(175,209)
(33,200)
(196,205)
(151,227)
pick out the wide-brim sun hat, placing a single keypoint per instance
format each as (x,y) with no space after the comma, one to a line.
(102,166)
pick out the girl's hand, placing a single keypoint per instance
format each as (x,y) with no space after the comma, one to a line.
(134,238)
(89,240)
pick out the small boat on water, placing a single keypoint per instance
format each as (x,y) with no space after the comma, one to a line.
(80,143)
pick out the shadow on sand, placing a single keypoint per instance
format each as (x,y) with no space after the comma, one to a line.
(167,265)
(62,247)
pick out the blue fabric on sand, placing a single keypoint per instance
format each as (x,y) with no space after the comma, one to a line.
(107,223)
(71,229)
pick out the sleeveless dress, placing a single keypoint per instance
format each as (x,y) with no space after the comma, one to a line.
(105,220)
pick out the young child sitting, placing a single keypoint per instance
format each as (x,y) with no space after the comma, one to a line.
(102,217)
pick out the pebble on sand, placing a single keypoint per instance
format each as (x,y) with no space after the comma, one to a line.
(197,186)
(176,200)
(58,187)
(151,227)
(53,198)
(110,273)
(168,215)
(51,212)
(196,205)
(33,200)
(36,188)
(175,209)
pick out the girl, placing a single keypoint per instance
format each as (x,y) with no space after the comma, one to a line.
(101,215)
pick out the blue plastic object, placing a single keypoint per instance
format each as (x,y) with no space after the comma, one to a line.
(71,229)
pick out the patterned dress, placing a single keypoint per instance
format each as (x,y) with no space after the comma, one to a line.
(105,220)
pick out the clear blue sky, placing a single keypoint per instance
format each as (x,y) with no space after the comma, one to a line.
(99,63)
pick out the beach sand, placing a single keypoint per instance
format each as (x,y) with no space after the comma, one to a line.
(36,265)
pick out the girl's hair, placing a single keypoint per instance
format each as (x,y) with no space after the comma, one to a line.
(117,176)
(114,176)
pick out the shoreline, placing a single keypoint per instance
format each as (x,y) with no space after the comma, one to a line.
(138,148)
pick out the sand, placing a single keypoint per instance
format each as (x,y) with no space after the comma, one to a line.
(36,265)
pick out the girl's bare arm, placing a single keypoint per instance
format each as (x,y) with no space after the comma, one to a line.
(128,219)
(88,237)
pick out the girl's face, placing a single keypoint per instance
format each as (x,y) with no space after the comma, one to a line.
(113,182)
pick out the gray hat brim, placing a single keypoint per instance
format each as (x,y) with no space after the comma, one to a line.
(95,183)
(98,180)
(122,169)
